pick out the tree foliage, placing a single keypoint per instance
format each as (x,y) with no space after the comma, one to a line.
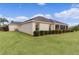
(75,28)
(2,21)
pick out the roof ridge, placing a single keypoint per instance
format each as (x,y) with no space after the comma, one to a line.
(41,18)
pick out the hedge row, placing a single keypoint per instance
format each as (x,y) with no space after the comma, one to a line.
(5,28)
(40,33)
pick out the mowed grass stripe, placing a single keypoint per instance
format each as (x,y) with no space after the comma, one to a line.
(20,43)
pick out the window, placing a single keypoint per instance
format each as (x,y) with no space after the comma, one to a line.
(37,27)
(62,27)
(57,27)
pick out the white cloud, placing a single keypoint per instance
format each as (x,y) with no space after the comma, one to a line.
(73,24)
(41,3)
(24,18)
(49,16)
(70,16)
(37,15)
(71,13)
(43,15)
(76,17)
(18,18)
(9,18)
(21,18)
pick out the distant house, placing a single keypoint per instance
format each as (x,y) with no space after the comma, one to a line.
(37,23)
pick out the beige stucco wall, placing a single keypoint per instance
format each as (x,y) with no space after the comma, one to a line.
(30,27)
(13,27)
(43,26)
(33,26)
(27,28)
(52,26)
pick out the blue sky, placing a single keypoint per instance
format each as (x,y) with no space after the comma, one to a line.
(64,12)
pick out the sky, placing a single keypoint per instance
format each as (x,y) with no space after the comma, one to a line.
(64,12)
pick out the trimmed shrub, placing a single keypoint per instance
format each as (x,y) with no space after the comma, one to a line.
(60,31)
(56,31)
(53,31)
(50,32)
(42,33)
(36,33)
(5,28)
(46,32)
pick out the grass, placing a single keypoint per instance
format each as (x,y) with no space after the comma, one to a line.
(15,43)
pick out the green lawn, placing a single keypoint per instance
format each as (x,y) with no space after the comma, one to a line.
(20,43)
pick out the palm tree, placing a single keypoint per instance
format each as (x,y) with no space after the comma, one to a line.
(3,20)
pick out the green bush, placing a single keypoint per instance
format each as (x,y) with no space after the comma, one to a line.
(56,31)
(63,31)
(50,32)
(40,33)
(60,31)
(36,33)
(4,28)
(46,32)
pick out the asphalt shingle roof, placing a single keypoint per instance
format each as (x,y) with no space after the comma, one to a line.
(40,18)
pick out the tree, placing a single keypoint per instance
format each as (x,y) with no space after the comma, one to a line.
(2,21)
(75,28)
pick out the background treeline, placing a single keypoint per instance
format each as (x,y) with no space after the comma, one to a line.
(74,28)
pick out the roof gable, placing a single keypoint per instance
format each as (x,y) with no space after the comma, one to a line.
(39,18)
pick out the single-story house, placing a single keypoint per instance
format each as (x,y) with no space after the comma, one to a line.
(37,23)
